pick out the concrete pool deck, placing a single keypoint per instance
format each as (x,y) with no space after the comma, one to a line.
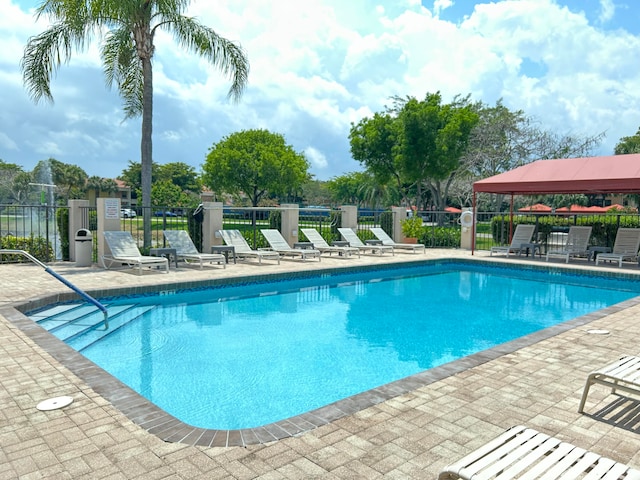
(412,435)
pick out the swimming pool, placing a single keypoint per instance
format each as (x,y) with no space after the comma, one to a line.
(269,351)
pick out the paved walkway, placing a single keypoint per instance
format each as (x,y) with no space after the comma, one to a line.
(410,436)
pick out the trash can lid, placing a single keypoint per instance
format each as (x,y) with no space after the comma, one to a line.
(83,232)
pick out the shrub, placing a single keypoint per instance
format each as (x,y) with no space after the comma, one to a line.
(275,220)
(434,237)
(39,247)
(62,220)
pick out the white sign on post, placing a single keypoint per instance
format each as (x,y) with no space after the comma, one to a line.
(111,208)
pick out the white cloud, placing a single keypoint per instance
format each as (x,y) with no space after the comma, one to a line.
(319,65)
(7,143)
(607,11)
(317,159)
(441,5)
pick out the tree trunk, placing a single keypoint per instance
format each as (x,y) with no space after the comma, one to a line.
(146,152)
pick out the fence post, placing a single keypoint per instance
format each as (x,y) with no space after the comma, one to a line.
(77,210)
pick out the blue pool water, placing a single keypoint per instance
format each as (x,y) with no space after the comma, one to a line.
(245,356)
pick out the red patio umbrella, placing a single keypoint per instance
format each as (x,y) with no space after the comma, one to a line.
(580,209)
(452,210)
(538,207)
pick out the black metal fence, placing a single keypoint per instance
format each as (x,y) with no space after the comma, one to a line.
(37,229)
(43,230)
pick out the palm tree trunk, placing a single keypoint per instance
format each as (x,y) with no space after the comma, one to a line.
(146,153)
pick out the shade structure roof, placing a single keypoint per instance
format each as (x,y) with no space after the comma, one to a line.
(608,174)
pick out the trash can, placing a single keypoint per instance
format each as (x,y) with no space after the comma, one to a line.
(84,248)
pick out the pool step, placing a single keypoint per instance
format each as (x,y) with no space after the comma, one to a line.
(59,315)
(88,336)
(92,318)
(80,325)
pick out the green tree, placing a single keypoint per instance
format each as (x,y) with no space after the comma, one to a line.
(8,174)
(100,185)
(69,180)
(346,188)
(255,163)
(180,174)
(165,193)
(628,144)
(132,177)
(433,139)
(129,29)
(316,193)
(415,144)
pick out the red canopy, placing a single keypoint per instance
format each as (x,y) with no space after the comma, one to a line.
(452,210)
(612,174)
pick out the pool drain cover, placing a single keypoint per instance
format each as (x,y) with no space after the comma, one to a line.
(598,331)
(54,403)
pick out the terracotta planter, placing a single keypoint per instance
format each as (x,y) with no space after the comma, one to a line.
(410,240)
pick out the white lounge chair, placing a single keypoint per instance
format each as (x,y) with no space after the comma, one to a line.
(623,374)
(522,235)
(577,244)
(354,241)
(387,240)
(187,251)
(522,452)
(279,244)
(321,244)
(123,249)
(242,249)
(625,247)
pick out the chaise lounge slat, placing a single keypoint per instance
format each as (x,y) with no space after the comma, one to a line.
(577,244)
(243,250)
(527,454)
(387,240)
(623,374)
(123,250)
(187,251)
(625,247)
(522,235)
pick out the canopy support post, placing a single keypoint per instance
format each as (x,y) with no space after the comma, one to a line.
(473,224)
(511,219)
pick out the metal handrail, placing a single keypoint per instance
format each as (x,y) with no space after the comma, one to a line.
(47,269)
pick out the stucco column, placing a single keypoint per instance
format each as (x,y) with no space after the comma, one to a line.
(466,228)
(211,223)
(399,214)
(108,220)
(349,217)
(77,219)
(289,228)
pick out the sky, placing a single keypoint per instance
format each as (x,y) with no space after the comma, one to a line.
(317,66)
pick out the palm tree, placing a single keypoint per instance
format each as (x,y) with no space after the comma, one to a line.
(128,28)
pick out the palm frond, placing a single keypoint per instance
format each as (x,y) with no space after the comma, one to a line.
(44,54)
(123,66)
(224,54)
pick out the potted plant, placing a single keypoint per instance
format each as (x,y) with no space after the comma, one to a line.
(412,229)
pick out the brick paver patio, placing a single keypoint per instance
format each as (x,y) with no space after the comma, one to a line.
(409,436)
